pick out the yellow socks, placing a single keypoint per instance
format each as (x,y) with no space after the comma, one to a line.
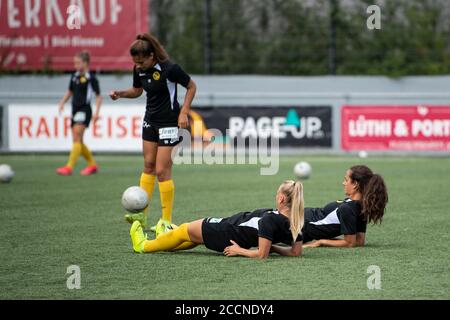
(167,193)
(74,154)
(147,182)
(78,149)
(87,155)
(185,246)
(169,240)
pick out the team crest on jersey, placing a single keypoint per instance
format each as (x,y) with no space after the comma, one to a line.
(156,75)
(83,80)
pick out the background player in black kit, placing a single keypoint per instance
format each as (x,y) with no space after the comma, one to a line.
(235,235)
(366,202)
(83,84)
(154,73)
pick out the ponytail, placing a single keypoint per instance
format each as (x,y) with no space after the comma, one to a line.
(373,191)
(297,217)
(293,190)
(374,199)
(146,44)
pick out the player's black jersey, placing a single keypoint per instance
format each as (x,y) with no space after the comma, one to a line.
(160,84)
(246,227)
(335,219)
(83,88)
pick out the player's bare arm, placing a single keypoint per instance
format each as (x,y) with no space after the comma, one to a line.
(290,251)
(130,93)
(184,112)
(262,252)
(64,100)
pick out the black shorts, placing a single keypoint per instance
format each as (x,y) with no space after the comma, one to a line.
(217,234)
(165,136)
(81,116)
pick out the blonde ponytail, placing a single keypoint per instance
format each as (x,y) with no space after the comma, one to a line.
(297,217)
(293,190)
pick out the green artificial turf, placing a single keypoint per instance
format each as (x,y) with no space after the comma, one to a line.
(49,222)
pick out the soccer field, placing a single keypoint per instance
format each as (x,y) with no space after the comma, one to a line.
(49,222)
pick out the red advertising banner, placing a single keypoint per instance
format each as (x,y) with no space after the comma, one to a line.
(45,34)
(402,128)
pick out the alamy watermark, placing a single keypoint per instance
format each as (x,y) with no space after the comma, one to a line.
(252,150)
(74,279)
(374,20)
(74,17)
(374,280)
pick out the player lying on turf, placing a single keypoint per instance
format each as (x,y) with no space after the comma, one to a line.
(236,235)
(366,202)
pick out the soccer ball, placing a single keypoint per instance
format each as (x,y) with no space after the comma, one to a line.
(134,199)
(302,170)
(363,154)
(6,173)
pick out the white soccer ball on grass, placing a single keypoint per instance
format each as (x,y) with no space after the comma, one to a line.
(135,199)
(6,173)
(363,154)
(302,170)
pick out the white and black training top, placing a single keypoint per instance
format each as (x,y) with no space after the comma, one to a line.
(160,84)
(335,219)
(245,228)
(83,87)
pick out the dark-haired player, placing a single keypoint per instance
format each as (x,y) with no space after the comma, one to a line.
(159,77)
(366,202)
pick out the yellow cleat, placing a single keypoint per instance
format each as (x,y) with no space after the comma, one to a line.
(153,229)
(163,226)
(141,217)
(137,237)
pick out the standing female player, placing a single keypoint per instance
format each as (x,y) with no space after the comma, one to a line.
(154,73)
(366,202)
(235,235)
(82,84)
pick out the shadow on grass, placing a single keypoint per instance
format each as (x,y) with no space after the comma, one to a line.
(309,253)
(384,246)
(215,254)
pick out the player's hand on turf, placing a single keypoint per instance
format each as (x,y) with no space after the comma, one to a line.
(114,95)
(183,120)
(233,250)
